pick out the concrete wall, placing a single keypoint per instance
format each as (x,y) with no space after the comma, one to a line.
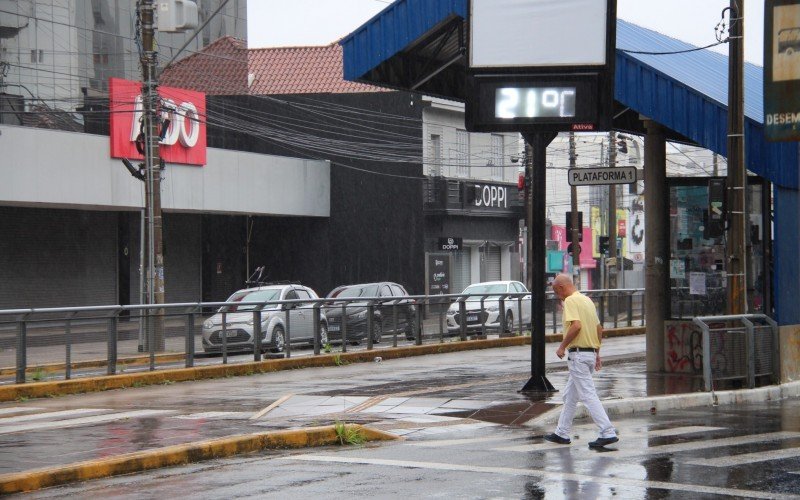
(49,168)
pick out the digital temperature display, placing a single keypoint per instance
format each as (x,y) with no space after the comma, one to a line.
(535,102)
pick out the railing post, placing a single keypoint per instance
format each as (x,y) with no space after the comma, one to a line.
(68,339)
(630,309)
(394,318)
(750,351)
(257,334)
(224,338)
(441,324)
(316,318)
(555,321)
(707,358)
(603,309)
(644,308)
(519,312)
(22,341)
(189,337)
(344,326)
(483,318)
(462,315)
(287,335)
(616,307)
(370,311)
(418,326)
(111,367)
(151,338)
(502,305)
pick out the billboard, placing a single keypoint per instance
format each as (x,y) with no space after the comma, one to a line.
(782,70)
(184,140)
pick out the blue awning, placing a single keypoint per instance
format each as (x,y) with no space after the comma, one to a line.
(686,93)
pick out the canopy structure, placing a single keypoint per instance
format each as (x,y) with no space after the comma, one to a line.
(421,45)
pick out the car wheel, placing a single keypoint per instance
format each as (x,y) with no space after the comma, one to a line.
(323,334)
(278,339)
(377,331)
(509,322)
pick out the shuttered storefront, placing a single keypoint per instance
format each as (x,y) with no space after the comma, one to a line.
(461,270)
(492,263)
(57,258)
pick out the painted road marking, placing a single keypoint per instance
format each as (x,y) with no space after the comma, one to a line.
(708,443)
(456,442)
(52,414)
(76,422)
(543,474)
(18,409)
(225,415)
(544,446)
(746,458)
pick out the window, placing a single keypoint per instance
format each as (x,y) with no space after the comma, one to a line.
(435,155)
(37,56)
(497,154)
(398,291)
(386,291)
(462,153)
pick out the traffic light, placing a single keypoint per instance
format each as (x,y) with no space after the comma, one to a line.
(569,226)
(603,244)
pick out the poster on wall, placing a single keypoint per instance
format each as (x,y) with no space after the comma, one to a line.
(636,230)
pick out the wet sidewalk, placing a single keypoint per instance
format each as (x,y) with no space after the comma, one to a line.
(402,396)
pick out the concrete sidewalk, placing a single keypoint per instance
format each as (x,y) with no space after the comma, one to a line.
(470,390)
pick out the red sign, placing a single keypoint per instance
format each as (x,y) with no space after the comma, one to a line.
(185,139)
(621,228)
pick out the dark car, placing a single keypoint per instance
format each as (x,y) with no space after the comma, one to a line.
(390,301)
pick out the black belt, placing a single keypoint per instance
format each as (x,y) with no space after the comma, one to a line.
(582,349)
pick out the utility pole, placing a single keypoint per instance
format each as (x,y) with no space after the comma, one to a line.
(612,212)
(151,133)
(575,236)
(737,177)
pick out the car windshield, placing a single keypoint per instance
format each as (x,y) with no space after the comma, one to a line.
(481,289)
(251,296)
(351,292)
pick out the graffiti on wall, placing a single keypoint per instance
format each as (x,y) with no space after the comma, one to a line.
(684,347)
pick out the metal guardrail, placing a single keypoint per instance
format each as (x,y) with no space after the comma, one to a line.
(65,326)
(738,347)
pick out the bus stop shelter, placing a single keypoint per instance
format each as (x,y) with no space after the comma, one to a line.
(661,91)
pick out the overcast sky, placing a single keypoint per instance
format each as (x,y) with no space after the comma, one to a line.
(279,23)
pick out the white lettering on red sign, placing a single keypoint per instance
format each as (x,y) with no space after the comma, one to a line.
(184,122)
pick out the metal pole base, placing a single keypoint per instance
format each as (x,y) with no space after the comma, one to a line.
(538,384)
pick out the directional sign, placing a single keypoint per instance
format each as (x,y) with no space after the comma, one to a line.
(601,176)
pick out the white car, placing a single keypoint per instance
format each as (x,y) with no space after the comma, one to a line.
(239,320)
(491,290)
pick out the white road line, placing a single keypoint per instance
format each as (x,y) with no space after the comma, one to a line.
(544,446)
(676,431)
(746,458)
(225,415)
(542,474)
(706,443)
(76,422)
(18,409)
(456,442)
(51,414)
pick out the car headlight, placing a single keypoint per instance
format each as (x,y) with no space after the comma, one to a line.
(493,308)
(361,315)
(208,324)
(264,319)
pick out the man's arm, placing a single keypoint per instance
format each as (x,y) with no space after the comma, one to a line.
(598,363)
(569,336)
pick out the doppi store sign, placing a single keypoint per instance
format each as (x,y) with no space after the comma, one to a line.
(185,138)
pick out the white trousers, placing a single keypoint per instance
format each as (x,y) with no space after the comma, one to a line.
(580,387)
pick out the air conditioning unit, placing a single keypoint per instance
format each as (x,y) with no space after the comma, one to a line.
(177,15)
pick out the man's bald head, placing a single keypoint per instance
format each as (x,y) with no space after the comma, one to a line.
(562,286)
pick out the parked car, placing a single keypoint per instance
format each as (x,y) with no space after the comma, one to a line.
(383,319)
(491,307)
(239,319)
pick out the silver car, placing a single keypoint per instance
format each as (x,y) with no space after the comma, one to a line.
(239,320)
(491,307)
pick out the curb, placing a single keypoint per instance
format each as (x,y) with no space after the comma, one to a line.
(654,404)
(54,388)
(178,455)
(97,363)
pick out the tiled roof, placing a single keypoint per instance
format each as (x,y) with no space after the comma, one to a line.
(219,69)
(224,67)
(301,70)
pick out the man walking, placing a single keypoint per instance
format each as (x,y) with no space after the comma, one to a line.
(582,336)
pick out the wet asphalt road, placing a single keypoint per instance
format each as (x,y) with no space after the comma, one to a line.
(749,451)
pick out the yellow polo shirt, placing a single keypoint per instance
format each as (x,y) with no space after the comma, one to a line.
(581,308)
